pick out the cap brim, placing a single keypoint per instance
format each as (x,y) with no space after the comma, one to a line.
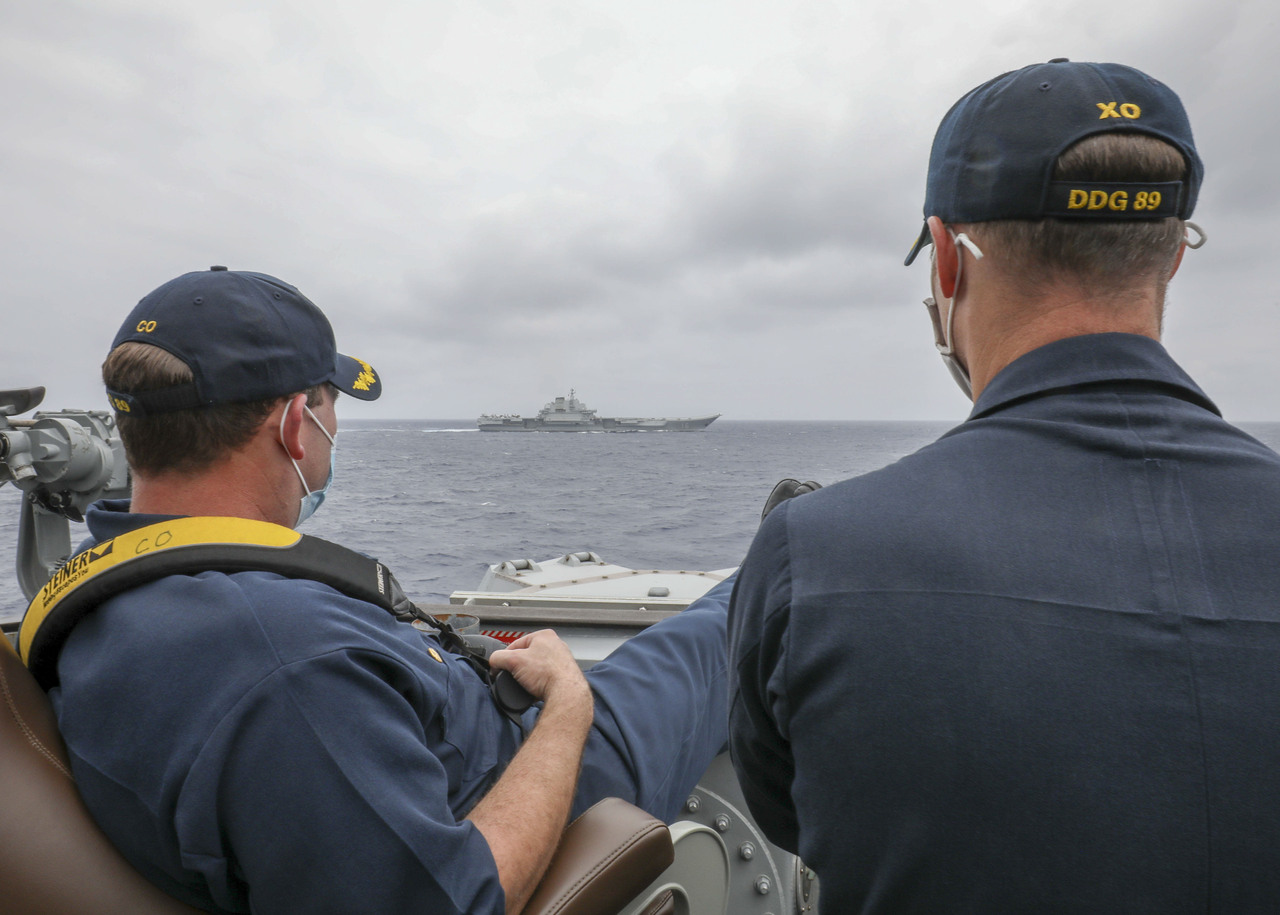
(925,239)
(356,378)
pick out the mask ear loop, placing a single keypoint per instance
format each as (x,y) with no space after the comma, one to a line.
(1201,237)
(333,444)
(942,334)
(962,241)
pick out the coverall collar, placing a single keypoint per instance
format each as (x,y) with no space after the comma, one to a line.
(1090,359)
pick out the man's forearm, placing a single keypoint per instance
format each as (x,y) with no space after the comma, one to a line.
(525,812)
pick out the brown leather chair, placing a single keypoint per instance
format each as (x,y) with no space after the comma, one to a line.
(55,861)
(605,859)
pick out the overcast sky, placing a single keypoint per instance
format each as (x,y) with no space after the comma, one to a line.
(676,207)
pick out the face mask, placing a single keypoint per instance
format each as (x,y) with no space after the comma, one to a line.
(313,500)
(942,334)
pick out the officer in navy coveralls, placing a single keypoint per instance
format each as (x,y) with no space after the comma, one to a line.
(1035,666)
(252,742)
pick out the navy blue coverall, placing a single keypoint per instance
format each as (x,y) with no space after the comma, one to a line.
(253,743)
(1033,667)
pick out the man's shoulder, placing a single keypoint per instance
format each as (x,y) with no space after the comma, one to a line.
(247,604)
(908,480)
(250,624)
(190,648)
(894,518)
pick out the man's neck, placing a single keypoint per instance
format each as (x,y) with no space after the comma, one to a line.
(1000,326)
(234,487)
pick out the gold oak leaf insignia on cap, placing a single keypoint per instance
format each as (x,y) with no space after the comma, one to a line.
(365,378)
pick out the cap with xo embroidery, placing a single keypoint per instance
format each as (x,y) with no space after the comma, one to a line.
(994,153)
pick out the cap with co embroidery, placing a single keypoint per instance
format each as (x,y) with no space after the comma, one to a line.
(245,336)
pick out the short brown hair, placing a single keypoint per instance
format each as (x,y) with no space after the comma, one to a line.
(185,441)
(1107,255)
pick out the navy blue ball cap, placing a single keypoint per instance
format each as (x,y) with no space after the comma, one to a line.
(245,336)
(994,153)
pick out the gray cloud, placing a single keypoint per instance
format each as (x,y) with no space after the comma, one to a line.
(650,202)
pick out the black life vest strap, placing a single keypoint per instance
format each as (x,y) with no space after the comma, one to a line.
(188,546)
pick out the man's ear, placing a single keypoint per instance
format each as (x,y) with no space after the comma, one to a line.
(1177,261)
(944,256)
(291,426)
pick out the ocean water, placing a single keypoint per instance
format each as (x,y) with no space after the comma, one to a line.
(439,501)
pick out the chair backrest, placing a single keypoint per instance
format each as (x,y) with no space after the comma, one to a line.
(53,857)
(605,858)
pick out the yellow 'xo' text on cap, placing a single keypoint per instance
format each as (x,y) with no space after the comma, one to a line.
(1127,110)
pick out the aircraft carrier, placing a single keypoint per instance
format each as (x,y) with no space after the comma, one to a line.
(568,414)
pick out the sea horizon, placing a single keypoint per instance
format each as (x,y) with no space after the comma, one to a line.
(439,504)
